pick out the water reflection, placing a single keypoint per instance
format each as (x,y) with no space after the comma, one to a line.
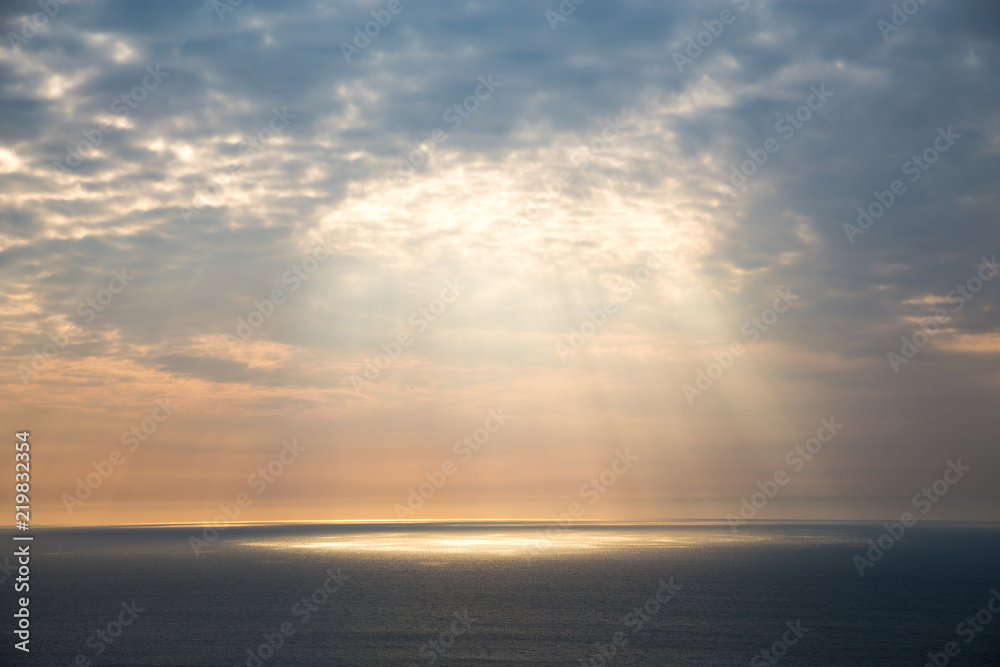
(541,540)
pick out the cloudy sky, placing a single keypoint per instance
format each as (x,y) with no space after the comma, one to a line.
(219,223)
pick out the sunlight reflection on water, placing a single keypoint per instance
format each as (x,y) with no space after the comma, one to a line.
(536,541)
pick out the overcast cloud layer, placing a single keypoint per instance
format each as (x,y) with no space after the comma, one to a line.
(598,144)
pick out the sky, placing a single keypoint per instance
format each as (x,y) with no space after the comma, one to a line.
(623,261)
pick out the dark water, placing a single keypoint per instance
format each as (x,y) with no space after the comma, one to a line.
(522,601)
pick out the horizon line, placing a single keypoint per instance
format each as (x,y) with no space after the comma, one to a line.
(551,521)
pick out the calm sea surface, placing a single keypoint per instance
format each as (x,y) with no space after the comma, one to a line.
(501,594)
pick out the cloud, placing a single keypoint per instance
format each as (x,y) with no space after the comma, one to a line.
(198,190)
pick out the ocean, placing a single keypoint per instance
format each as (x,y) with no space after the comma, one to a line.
(499,594)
